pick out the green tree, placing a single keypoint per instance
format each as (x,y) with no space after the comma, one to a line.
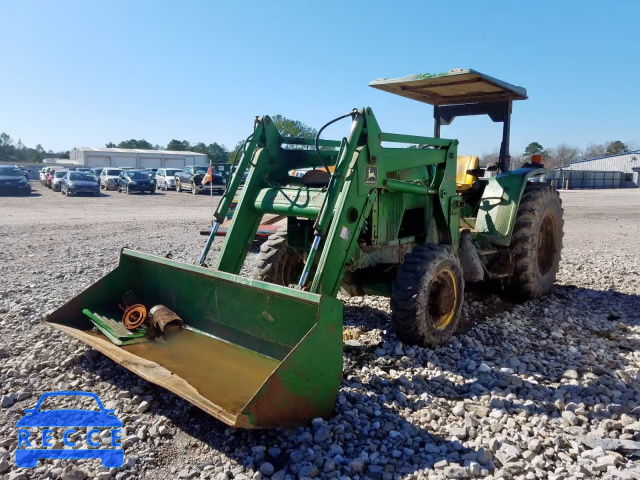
(178,145)
(215,152)
(7,149)
(293,128)
(139,144)
(534,148)
(616,147)
(200,147)
(110,145)
(235,151)
(218,153)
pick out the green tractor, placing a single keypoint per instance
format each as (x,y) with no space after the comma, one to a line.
(375,213)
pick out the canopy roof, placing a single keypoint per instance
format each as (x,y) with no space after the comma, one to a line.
(457,86)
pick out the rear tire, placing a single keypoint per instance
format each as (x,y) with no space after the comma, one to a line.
(536,243)
(426,302)
(278,263)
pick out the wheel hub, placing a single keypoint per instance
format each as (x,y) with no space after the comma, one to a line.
(443,299)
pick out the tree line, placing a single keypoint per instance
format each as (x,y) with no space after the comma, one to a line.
(562,154)
(18,152)
(11,151)
(215,152)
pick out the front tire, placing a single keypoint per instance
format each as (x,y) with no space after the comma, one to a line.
(194,190)
(178,187)
(278,263)
(426,300)
(536,243)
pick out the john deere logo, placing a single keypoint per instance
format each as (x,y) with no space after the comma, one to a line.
(370,175)
(107,448)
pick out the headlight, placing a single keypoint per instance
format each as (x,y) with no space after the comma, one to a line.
(153,182)
(22,180)
(70,184)
(224,182)
(132,183)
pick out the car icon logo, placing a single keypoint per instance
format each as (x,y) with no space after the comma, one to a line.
(29,452)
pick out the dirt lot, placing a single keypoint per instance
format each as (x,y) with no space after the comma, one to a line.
(46,207)
(545,389)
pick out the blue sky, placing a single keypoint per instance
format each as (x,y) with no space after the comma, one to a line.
(84,73)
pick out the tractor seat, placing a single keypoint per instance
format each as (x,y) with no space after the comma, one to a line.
(315,178)
(464,179)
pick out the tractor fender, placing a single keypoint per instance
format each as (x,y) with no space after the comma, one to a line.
(499,204)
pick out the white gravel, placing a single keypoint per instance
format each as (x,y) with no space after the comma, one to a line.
(547,389)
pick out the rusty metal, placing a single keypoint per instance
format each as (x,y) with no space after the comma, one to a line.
(165,320)
(134,316)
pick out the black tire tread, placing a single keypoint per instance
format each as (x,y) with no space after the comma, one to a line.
(526,281)
(272,256)
(420,266)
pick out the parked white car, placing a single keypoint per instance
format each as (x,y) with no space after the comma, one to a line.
(56,179)
(43,175)
(109,178)
(166,178)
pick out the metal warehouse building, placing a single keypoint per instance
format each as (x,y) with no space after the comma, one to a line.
(134,158)
(625,167)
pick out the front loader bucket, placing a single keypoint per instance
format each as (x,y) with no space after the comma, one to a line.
(253,355)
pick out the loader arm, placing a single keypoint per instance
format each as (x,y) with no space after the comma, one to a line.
(363,168)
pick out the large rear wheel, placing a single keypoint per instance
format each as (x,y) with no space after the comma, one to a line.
(426,300)
(536,243)
(278,263)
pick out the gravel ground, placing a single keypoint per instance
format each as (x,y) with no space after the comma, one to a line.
(545,389)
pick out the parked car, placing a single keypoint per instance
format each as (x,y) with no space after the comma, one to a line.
(166,178)
(43,174)
(135,181)
(46,171)
(50,176)
(110,178)
(56,179)
(151,172)
(12,180)
(96,171)
(191,179)
(75,182)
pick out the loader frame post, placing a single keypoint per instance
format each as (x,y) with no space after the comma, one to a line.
(499,111)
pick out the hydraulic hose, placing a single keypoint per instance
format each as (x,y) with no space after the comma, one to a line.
(320,132)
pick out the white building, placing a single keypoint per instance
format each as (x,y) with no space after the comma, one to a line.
(627,163)
(135,158)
